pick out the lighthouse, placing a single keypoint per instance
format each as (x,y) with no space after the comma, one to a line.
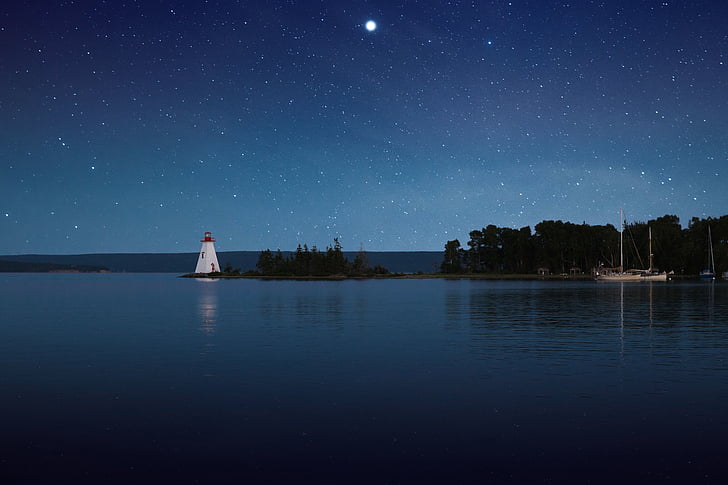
(207,261)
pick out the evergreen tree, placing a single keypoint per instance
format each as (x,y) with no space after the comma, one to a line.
(335,261)
(452,261)
(266,264)
(360,266)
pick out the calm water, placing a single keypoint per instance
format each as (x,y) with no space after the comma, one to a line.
(129,378)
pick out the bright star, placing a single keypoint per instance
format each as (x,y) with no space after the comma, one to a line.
(371,25)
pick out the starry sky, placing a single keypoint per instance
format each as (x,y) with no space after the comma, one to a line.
(135,126)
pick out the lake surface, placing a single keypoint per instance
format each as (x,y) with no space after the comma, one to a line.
(138,378)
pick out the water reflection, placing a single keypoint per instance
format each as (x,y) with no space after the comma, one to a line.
(651,299)
(620,304)
(586,320)
(207,305)
(621,319)
(711,300)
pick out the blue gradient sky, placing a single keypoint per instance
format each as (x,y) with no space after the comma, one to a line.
(136,126)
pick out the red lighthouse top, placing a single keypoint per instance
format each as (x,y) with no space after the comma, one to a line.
(208,238)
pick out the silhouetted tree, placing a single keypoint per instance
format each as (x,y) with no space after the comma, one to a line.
(560,246)
(452,261)
(305,262)
(360,266)
(266,263)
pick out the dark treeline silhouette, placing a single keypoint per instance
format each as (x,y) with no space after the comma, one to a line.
(312,262)
(563,247)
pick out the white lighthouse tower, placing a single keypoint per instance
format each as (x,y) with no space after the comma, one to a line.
(207,261)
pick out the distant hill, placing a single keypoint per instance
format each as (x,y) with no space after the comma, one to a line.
(395,261)
(46,267)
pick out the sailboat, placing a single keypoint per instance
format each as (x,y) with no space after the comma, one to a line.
(709,272)
(650,274)
(609,274)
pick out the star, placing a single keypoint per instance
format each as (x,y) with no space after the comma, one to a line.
(276,127)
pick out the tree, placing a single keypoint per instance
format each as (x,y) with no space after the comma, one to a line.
(551,242)
(380,270)
(475,245)
(336,263)
(452,262)
(360,266)
(266,264)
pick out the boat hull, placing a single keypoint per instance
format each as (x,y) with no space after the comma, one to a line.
(632,277)
(619,277)
(707,275)
(654,277)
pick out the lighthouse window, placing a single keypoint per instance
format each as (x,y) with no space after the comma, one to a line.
(202,255)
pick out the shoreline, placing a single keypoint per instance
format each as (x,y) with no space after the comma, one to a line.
(413,276)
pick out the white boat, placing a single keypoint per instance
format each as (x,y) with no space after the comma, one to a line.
(651,274)
(709,272)
(618,274)
(609,274)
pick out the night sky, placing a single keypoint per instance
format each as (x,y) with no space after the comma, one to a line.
(135,126)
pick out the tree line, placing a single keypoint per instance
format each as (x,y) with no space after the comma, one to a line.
(313,262)
(564,247)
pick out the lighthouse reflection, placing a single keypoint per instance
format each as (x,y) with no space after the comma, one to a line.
(207,305)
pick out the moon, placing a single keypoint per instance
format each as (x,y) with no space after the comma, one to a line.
(371,25)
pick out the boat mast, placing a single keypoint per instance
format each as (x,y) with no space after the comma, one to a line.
(710,245)
(621,253)
(650,232)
